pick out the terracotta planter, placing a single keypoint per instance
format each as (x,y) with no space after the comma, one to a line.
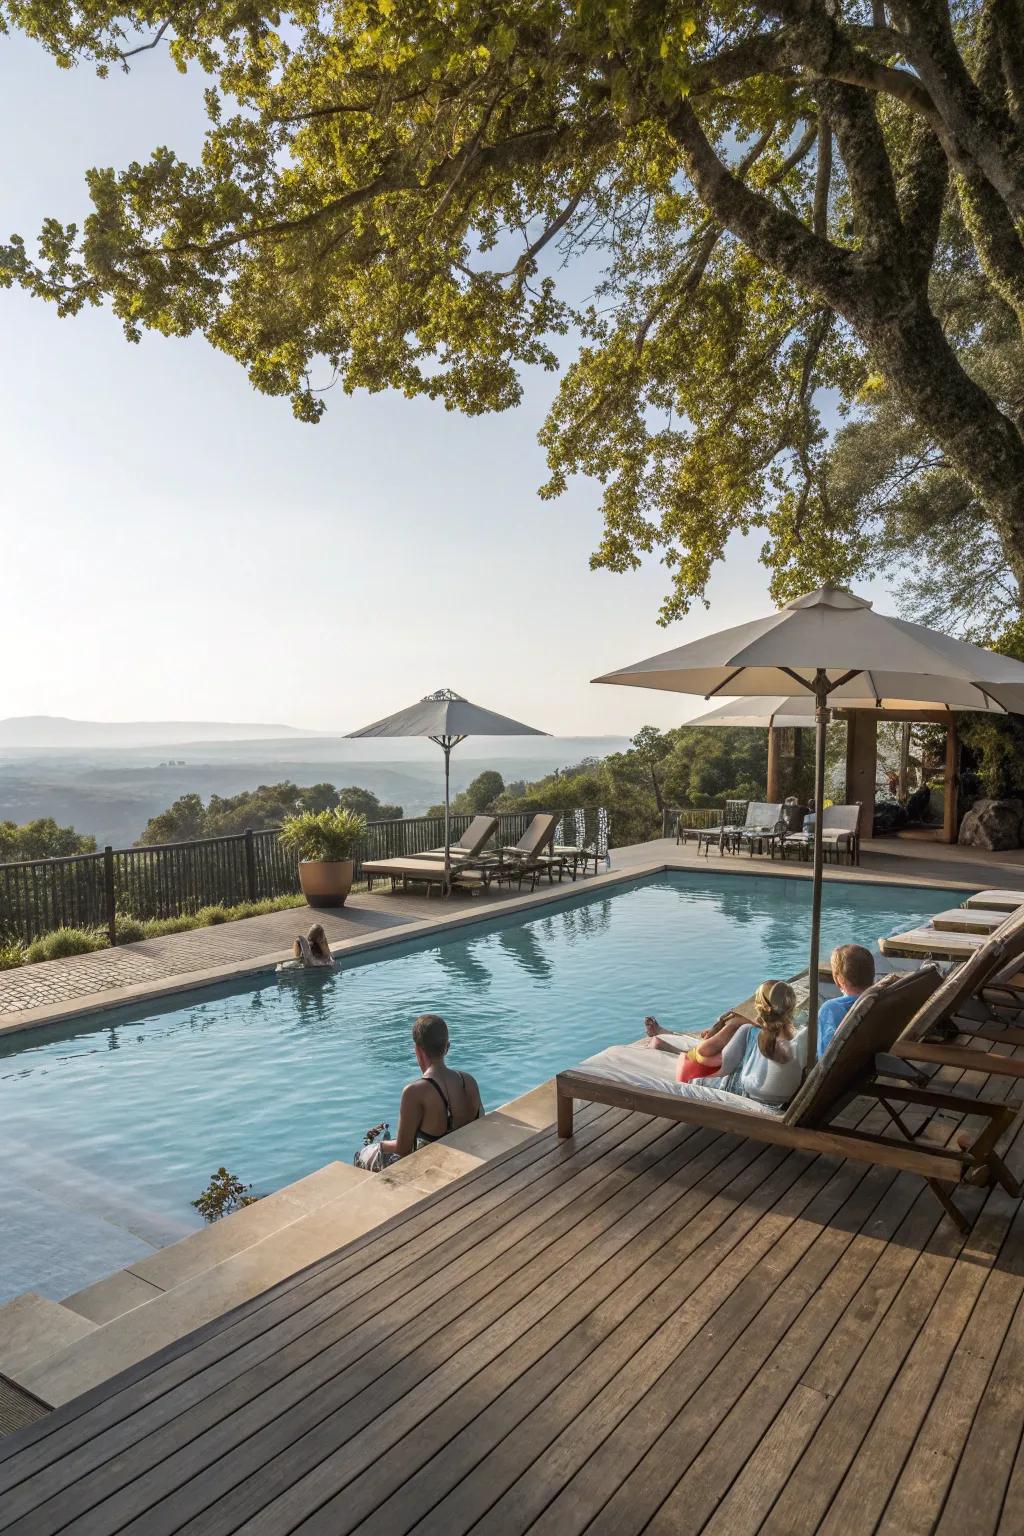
(326,882)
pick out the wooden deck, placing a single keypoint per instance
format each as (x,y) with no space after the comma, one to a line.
(649,1328)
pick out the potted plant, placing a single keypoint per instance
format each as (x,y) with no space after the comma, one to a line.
(325,843)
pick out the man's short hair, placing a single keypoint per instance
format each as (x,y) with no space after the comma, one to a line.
(855,964)
(430,1032)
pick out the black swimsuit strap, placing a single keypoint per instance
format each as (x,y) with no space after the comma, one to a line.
(449,1122)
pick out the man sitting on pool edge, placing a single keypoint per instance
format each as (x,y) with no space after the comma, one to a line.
(441,1100)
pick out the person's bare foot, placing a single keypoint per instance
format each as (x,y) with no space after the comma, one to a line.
(651,1027)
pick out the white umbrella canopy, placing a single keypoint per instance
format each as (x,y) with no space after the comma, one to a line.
(834,638)
(823,644)
(797,711)
(446,718)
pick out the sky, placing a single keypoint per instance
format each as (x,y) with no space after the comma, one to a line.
(176,546)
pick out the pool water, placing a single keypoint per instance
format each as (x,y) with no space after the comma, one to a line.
(109,1129)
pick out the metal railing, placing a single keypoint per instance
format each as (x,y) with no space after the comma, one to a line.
(91,890)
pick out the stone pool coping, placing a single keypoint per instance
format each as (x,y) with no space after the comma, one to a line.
(426,925)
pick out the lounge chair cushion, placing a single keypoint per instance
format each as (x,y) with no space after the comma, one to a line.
(874,1024)
(637,1066)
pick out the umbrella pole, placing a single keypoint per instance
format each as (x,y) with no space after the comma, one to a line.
(821,695)
(446,747)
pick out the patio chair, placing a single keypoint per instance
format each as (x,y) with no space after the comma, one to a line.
(469,844)
(991,981)
(526,860)
(761,816)
(876,1040)
(840,835)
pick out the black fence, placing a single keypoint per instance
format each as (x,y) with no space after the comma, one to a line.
(90,890)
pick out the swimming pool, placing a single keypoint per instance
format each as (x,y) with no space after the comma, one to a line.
(108,1129)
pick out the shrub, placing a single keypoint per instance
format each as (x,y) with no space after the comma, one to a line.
(65,941)
(209,917)
(333,835)
(129,929)
(12,953)
(224,1193)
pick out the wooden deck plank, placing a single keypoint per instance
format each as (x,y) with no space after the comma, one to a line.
(335,1460)
(422,1468)
(761,1443)
(853,1403)
(533,1205)
(435,1220)
(652,1327)
(352,1357)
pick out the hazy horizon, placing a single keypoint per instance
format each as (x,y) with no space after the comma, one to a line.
(186,550)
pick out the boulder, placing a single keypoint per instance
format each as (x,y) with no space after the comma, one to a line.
(993,825)
(889,817)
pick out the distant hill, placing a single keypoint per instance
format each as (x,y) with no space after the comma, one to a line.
(41,732)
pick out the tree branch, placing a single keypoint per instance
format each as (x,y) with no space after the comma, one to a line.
(776,237)
(144,47)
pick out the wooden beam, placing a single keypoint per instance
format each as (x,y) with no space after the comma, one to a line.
(951,793)
(773,790)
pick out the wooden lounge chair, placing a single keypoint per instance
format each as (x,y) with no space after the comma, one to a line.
(527,859)
(867,1048)
(990,986)
(969,920)
(927,943)
(469,844)
(414,870)
(997,901)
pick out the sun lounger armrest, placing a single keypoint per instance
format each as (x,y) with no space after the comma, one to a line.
(887,1065)
(964,1057)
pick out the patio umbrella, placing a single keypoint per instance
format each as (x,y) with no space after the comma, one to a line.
(824,644)
(797,711)
(446,718)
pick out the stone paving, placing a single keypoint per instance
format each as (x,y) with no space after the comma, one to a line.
(134,971)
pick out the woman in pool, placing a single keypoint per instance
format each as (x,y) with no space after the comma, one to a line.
(758,1059)
(310,951)
(439,1101)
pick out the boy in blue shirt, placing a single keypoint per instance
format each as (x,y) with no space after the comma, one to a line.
(853,971)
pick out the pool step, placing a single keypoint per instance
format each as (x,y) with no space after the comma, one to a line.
(139,1310)
(32,1328)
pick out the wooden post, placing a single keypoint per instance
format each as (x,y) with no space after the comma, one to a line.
(904,784)
(250,865)
(951,788)
(773,789)
(109,894)
(861,766)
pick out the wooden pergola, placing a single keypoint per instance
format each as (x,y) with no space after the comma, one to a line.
(862,760)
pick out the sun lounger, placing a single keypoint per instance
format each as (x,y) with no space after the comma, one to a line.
(969,920)
(990,984)
(468,845)
(526,860)
(413,870)
(883,1023)
(932,943)
(997,901)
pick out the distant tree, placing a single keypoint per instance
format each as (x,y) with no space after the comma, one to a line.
(41,839)
(366,803)
(257,809)
(182,822)
(479,795)
(652,747)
